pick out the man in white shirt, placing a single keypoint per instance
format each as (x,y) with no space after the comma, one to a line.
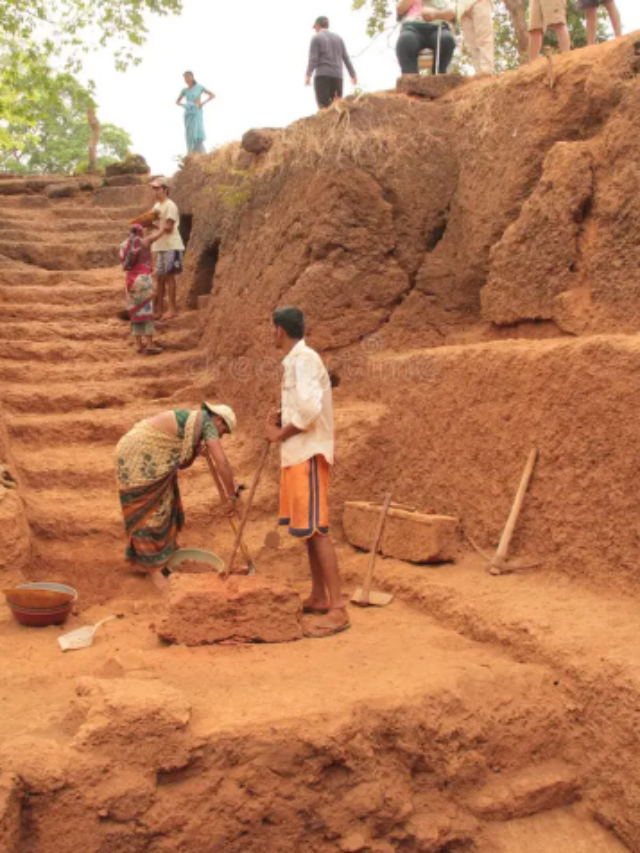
(304,428)
(167,248)
(476,19)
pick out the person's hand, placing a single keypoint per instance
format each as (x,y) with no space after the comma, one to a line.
(429,15)
(307,81)
(272,433)
(354,81)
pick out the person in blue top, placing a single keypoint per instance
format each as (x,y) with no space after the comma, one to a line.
(193,122)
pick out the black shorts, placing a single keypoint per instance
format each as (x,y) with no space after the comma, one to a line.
(327,90)
(583,5)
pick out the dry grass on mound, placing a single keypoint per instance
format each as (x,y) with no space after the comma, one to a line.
(374,133)
(349,132)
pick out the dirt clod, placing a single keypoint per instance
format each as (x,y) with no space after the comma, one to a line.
(204,609)
(410,536)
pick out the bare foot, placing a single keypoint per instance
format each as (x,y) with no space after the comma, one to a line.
(333,622)
(315,605)
(170,315)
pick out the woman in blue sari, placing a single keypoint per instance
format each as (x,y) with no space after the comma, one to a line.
(194,125)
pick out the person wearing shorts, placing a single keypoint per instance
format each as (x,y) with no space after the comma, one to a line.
(304,430)
(590,7)
(168,249)
(544,15)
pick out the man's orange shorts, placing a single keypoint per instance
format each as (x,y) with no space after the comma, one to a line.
(304,492)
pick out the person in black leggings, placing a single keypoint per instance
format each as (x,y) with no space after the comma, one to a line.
(327,55)
(421,20)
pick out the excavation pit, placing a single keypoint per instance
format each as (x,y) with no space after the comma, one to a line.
(384,738)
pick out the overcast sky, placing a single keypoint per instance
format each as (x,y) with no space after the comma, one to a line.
(253,55)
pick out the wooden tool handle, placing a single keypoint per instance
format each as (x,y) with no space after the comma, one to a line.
(403,507)
(505,540)
(368,578)
(225,500)
(254,486)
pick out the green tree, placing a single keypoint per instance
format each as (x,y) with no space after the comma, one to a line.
(46,124)
(76,26)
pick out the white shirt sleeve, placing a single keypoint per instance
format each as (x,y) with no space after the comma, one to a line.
(307,396)
(172,211)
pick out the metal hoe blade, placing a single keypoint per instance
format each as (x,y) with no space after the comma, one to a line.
(375,599)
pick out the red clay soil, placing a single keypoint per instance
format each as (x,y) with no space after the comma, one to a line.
(472,714)
(206,609)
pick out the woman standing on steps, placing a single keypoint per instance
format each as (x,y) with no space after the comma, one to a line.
(148,459)
(193,121)
(135,258)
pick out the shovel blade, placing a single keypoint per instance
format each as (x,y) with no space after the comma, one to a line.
(375,599)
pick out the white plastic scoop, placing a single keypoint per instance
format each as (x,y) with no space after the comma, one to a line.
(81,638)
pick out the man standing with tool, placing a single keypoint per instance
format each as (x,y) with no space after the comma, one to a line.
(304,428)
(326,56)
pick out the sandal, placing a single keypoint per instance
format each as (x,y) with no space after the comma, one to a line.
(317,630)
(153,350)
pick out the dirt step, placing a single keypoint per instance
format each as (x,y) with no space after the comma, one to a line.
(16,280)
(102,426)
(69,467)
(558,831)
(98,328)
(53,225)
(58,513)
(72,466)
(62,397)
(61,514)
(107,306)
(105,427)
(185,364)
(95,331)
(80,352)
(71,213)
(57,256)
(114,214)
(71,294)
(113,235)
(9,264)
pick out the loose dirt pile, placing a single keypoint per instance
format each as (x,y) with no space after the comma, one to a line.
(473,714)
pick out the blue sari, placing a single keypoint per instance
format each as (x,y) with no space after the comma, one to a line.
(193,122)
